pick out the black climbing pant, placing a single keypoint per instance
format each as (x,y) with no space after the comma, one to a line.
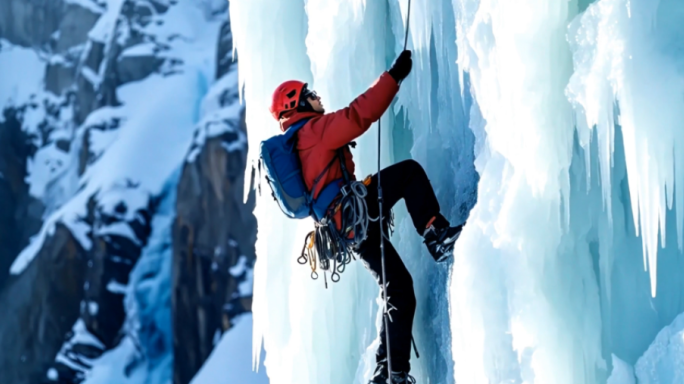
(406,180)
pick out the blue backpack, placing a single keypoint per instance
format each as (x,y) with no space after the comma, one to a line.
(283,169)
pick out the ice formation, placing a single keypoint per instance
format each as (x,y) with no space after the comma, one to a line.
(570,114)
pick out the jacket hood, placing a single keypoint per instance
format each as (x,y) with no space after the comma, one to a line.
(288,121)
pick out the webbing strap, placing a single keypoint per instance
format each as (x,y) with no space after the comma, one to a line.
(317,179)
(343,165)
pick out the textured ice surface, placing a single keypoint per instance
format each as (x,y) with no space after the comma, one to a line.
(574,112)
(627,55)
(340,48)
(663,362)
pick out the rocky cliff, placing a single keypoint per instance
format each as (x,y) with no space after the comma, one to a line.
(83,164)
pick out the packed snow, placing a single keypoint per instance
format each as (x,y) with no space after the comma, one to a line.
(15,90)
(229,364)
(158,115)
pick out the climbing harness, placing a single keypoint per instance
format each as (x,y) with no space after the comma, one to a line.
(334,248)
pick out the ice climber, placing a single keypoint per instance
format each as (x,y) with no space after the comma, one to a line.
(322,140)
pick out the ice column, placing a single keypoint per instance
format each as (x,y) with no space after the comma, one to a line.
(511,293)
(310,334)
(628,63)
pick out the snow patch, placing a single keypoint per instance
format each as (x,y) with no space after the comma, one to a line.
(116,287)
(230,361)
(92,5)
(52,374)
(16,90)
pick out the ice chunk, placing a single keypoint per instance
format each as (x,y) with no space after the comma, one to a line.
(663,362)
(622,373)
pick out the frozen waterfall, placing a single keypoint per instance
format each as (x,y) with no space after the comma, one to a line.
(554,127)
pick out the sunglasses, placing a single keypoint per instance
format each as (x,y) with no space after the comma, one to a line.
(311,94)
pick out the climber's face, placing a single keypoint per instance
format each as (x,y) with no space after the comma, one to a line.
(315,101)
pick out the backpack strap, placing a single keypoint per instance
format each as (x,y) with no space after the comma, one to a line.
(343,165)
(325,170)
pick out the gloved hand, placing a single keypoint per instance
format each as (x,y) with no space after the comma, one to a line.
(402,66)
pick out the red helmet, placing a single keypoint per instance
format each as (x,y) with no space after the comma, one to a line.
(286,97)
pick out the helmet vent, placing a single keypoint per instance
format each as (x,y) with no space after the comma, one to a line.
(292,104)
(292,93)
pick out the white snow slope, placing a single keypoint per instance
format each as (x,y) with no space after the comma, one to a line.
(571,113)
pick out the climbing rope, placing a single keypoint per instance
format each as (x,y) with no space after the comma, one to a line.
(336,247)
(382,230)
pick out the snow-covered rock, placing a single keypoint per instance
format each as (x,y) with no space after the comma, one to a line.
(119,104)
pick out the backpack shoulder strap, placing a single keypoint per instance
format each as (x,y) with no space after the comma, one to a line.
(339,155)
(292,130)
(343,163)
(320,176)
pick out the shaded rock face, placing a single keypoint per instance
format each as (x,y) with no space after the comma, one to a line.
(68,43)
(214,233)
(39,308)
(118,237)
(20,214)
(109,264)
(67,306)
(30,23)
(60,31)
(213,251)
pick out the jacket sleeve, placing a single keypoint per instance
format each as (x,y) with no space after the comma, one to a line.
(347,124)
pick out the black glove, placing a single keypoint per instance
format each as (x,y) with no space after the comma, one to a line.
(402,66)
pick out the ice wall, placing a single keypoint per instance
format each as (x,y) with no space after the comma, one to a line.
(514,289)
(312,334)
(568,111)
(628,54)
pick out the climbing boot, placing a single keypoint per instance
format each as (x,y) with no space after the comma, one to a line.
(440,241)
(380,377)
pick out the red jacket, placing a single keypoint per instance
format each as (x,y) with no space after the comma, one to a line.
(321,136)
